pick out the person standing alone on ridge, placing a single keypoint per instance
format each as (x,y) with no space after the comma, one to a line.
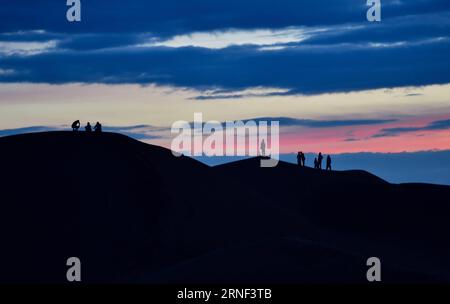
(263,148)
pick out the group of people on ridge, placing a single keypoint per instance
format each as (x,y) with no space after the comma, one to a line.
(88,128)
(301,159)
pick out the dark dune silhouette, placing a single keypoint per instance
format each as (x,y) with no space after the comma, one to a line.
(133,212)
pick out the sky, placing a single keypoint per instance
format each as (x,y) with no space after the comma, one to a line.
(336,82)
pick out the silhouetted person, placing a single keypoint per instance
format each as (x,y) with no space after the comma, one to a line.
(98,127)
(76,125)
(301,159)
(319,160)
(263,148)
(328,162)
(316,163)
(88,128)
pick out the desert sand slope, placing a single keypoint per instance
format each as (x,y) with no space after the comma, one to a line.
(133,212)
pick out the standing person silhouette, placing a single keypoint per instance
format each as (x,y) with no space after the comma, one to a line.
(98,127)
(303,159)
(76,125)
(319,160)
(299,159)
(263,148)
(328,162)
(88,128)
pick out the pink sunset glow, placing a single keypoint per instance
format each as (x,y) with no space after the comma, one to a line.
(361,138)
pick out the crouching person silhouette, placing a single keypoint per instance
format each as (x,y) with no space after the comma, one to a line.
(76,125)
(98,127)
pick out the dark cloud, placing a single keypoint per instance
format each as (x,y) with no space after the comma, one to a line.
(413,95)
(310,123)
(290,122)
(99,41)
(171,17)
(400,29)
(350,55)
(241,95)
(300,70)
(31,36)
(33,129)
(435,125)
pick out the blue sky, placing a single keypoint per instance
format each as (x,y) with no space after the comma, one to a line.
(336,82)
